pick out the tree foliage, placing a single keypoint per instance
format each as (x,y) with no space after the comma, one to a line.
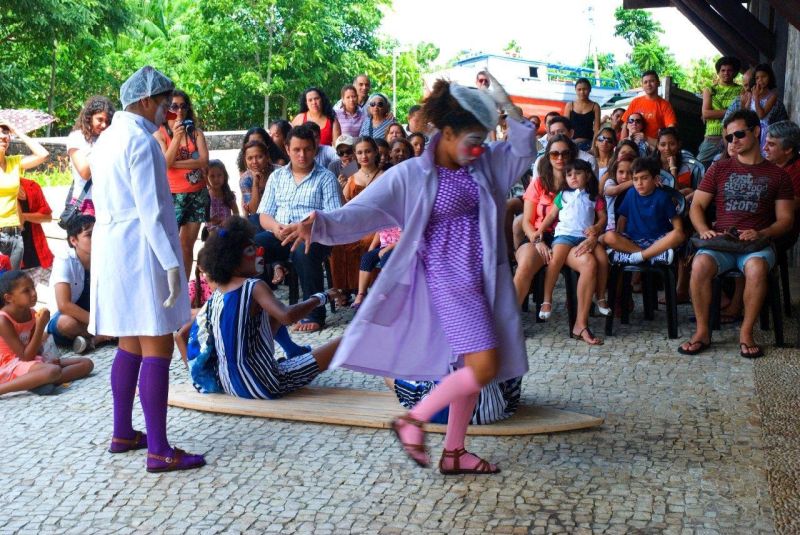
(636,26)
(242,61)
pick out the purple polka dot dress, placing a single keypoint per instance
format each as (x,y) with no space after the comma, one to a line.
(453,261)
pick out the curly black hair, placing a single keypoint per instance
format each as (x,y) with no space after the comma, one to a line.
(222,253)
(93,105)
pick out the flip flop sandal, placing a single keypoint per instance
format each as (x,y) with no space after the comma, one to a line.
(180,460)
(580,337)
(306,321)
(417,452)
(745,351)
(702,347)
(121,445)
(483,467)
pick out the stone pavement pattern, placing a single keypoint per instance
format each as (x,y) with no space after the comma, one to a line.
(681,452)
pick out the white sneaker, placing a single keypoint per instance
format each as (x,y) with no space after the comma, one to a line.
(664,258)
(80,345)
(619,257)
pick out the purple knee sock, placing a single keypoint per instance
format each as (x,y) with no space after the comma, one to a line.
(153,392)
(124,374)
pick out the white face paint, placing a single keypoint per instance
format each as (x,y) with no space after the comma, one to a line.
(257,254)
(161,113)
(469,148)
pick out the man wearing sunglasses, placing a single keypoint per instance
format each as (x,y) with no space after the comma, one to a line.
(657,112)
(754,197)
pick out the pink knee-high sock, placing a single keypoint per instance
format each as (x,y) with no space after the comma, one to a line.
(457,385)
(124,375)
(153,392)
(458,420)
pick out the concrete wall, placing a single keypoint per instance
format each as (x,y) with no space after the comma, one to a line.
(231,139)
(791,97)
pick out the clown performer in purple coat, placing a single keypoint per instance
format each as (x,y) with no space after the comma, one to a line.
(446,296)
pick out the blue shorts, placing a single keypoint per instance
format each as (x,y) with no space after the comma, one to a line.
(644,243)
(572,241)
(728,261)
(52,329)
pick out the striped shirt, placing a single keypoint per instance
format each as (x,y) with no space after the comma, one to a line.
(246,349)
(288,202)
(350,123)
(496,401)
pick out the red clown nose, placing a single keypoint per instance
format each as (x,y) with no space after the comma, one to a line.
(476,151)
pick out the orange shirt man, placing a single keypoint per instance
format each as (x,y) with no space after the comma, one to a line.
(657,112)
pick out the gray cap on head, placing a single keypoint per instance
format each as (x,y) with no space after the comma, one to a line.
(478,103)
(145,82)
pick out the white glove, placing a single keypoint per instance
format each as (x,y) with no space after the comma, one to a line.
(501,98)
(174,281)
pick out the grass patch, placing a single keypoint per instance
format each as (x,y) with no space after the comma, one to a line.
(54,174)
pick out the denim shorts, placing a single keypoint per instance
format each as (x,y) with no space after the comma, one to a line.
(52,328)
(728,261)
(572,241)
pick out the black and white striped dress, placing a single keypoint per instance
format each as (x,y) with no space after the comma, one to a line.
(246,349)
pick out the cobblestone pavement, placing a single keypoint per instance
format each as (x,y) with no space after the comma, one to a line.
(681,452)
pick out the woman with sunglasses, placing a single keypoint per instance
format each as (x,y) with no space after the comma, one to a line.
(11,242)
(603,150)
(184,147)
(315,106)
(379,119)
(538,201)
(636,132)
(350,115)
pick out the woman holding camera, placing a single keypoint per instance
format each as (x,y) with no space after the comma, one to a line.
(185,150)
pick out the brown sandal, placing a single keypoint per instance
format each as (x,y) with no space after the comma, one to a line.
(180,460)
(411,449)
(121,445)
(579,336)
(483,466)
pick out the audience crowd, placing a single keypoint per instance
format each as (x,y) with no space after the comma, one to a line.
(604,192)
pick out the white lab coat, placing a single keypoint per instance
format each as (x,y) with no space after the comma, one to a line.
(135,240)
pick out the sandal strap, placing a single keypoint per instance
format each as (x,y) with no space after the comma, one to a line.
(176,456)
(128,441)
(413,421)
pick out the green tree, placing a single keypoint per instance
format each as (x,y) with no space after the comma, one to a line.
(700,74)
(636,26)
(513,48)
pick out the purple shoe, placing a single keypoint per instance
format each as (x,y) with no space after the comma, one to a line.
(180,460)
(121,445)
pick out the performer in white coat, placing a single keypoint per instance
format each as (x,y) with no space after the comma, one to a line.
(137,274)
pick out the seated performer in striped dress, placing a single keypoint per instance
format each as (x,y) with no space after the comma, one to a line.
(244,316)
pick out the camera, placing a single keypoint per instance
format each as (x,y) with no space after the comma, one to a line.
(188,124)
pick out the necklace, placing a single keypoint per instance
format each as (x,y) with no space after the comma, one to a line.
(367,177)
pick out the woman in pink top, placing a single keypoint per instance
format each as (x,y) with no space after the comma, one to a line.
(21,337)
(538,201)
(379,252)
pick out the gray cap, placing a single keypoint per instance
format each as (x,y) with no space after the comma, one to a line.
(145,82)
(478,103)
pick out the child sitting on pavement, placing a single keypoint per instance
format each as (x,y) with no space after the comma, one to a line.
(648,225)
(21,338)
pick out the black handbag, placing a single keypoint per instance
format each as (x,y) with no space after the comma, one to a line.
(729,242)
(73,209)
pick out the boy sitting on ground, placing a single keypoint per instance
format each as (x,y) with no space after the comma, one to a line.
(648,225)
(70,283)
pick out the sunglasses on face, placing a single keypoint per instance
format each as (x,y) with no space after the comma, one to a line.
(344,152)
(483,81)
(739,134)
(604,139)
(378,103)
(175,106)
(634,121)
(556,155)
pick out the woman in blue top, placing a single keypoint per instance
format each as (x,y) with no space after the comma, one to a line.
(379,119)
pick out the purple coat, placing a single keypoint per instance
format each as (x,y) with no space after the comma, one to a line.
(396,331)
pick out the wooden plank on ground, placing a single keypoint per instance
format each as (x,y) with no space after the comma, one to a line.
(365,408)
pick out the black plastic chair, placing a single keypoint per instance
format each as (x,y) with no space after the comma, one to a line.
(772,303)
(666,273)
(571,290)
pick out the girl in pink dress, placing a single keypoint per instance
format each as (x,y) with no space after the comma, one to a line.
(22,333)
